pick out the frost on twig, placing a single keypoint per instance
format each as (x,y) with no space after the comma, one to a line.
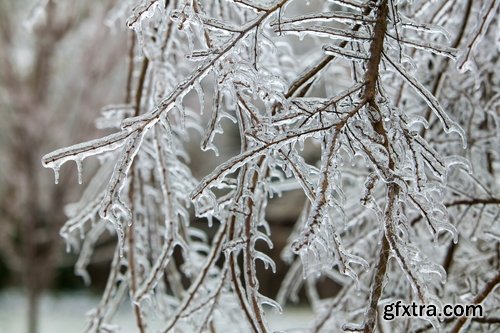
(387,198)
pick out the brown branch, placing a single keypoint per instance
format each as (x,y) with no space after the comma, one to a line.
(441,76)
(249,274)
(89,148)
(465,202)
(142,80)
(376,48)
(309,73)
(477,320)
(448,260)
(138,15)
(475,201)
(484,23)
(212,258)
(371,77)
(250,277)
(128,87)
(131,256)
(131,233)
(235,279)
(479,298)
(377,286)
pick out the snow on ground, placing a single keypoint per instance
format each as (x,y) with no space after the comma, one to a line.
(65,313)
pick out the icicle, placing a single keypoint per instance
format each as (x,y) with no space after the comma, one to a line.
(449,125)
(201,96)
(56,168)
(182,112)
(68,243)
(266,260)
(79,169)
(269,301)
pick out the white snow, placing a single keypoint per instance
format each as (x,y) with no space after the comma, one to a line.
(65,313)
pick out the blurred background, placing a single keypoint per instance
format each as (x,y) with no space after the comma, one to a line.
(60,62)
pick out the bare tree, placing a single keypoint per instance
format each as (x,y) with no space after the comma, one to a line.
(401,99)
(35,67)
